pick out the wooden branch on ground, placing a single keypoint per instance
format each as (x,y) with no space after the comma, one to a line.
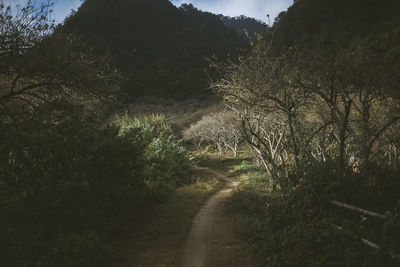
(376,247)
(370,244)
(363,211)
(365,241)
(370,213)
(395,257)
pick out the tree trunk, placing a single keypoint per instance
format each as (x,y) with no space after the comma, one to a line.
(296,148)
(364,144)
(397,159)
(342,140)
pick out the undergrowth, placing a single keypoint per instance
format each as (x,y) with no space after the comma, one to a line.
(299,227)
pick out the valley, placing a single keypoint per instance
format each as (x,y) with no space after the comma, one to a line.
(141,133)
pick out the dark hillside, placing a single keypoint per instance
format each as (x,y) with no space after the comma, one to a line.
(316,22)
(159,48)
(363,32)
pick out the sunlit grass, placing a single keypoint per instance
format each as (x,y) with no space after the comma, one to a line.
(223,162)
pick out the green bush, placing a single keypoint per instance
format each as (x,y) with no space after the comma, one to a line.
(167,164)
(68,182)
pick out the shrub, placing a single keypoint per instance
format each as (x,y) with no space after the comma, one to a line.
(68,182)
(166,160)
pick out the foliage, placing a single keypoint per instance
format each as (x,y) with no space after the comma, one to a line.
(68,180)
(77,181)
(167,160)
(54,193)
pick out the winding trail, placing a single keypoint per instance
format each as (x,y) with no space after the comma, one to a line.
(212,240)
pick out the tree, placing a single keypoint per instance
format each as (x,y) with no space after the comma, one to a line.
(37,66)
(323,104)
(45,80)
(350,61)
(262,90)
(219,128)
(349,81)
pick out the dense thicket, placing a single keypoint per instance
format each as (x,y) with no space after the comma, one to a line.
(318,99)
(159,48)
(70,177)
(69,182)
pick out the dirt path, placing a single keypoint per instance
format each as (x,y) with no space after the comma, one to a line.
(212,240)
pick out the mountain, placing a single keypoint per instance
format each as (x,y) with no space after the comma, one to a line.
(159,48)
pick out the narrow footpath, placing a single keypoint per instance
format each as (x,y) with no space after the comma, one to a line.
(212,240)
(174,234)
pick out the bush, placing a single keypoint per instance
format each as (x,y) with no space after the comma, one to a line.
(166,159)
(68,183)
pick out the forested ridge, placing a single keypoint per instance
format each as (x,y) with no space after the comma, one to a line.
(160,49)
(247,28)
(123,112)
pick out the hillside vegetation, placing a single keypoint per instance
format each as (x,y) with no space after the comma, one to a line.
(317,103)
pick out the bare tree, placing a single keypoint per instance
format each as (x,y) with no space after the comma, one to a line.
(355,95)
(262,89)
(219,128)
(267,137)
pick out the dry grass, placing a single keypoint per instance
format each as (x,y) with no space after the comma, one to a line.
(181,114)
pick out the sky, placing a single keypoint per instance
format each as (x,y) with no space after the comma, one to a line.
(62,8)
(252,8)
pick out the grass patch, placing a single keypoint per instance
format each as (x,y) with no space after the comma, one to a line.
(156,239)
(224,162)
